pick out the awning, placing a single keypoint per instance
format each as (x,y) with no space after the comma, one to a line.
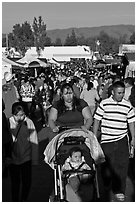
(8,61)
(32,62)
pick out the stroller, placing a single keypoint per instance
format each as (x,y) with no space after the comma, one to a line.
(57,151)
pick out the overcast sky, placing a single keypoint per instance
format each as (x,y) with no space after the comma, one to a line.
(58,15)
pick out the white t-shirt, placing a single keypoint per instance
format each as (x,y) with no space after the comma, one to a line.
(90,96)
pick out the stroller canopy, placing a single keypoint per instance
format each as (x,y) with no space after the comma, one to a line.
(90,140)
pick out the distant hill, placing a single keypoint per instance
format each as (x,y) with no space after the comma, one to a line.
(115,31)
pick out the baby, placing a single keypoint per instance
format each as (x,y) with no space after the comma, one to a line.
(75,161)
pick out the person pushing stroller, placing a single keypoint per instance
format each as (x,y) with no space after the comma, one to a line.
(75,117)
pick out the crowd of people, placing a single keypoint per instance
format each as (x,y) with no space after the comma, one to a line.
(72,96)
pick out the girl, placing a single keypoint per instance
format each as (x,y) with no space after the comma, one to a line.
(24,152)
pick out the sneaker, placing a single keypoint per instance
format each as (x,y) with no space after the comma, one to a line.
(120,197)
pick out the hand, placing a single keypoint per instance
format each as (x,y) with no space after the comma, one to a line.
(56,129)
(84,128)
(132,143)
(132,151)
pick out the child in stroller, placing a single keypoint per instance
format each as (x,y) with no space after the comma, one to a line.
(75,162)
(59,151)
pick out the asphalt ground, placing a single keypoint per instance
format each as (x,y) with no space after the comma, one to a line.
(43,177)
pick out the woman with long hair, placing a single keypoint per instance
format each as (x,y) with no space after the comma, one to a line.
(69,111)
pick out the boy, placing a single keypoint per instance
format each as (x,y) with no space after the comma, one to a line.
(75,161)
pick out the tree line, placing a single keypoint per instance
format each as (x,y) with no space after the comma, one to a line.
(25,36)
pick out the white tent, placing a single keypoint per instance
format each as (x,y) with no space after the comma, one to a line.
(27,60)
(61,53)
(8,64)
(5,60)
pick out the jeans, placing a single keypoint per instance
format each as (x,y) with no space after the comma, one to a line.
(114,170)
(27,106)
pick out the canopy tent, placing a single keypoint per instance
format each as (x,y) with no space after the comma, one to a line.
(6,61)
(8,65)
(32,62)
(61,53)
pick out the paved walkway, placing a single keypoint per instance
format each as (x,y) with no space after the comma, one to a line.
(42,175)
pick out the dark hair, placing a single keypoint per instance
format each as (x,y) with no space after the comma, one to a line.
(116,78)
(90,85)
(66,86)
(102,84)
(16,107)
(61,104)
(75,149)
(129,80)
(118,84)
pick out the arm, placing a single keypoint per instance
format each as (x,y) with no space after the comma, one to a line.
(131,124)
(81,95)
(17,94)
(87,117)
(98,118)
(34,143)
(96,127)
(97,96)
(86,167)
(132,131)
(132,143)
(21,90)
(52,119)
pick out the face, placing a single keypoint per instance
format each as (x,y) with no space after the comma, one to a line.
(118,94)
(76,157)
(19,117)
(58,91)
(22,81)
(45,86)
(27,83)
(68,95)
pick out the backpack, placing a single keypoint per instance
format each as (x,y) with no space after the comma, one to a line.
(21,144)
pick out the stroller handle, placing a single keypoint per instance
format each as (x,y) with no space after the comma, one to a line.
(63,128)
(78,171)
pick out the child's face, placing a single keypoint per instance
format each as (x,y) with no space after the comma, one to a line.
(19,116)
(76,157)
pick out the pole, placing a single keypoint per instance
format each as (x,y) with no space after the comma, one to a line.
(7,41)
(60,180)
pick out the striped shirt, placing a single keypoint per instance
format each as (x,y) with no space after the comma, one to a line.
(114,117)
